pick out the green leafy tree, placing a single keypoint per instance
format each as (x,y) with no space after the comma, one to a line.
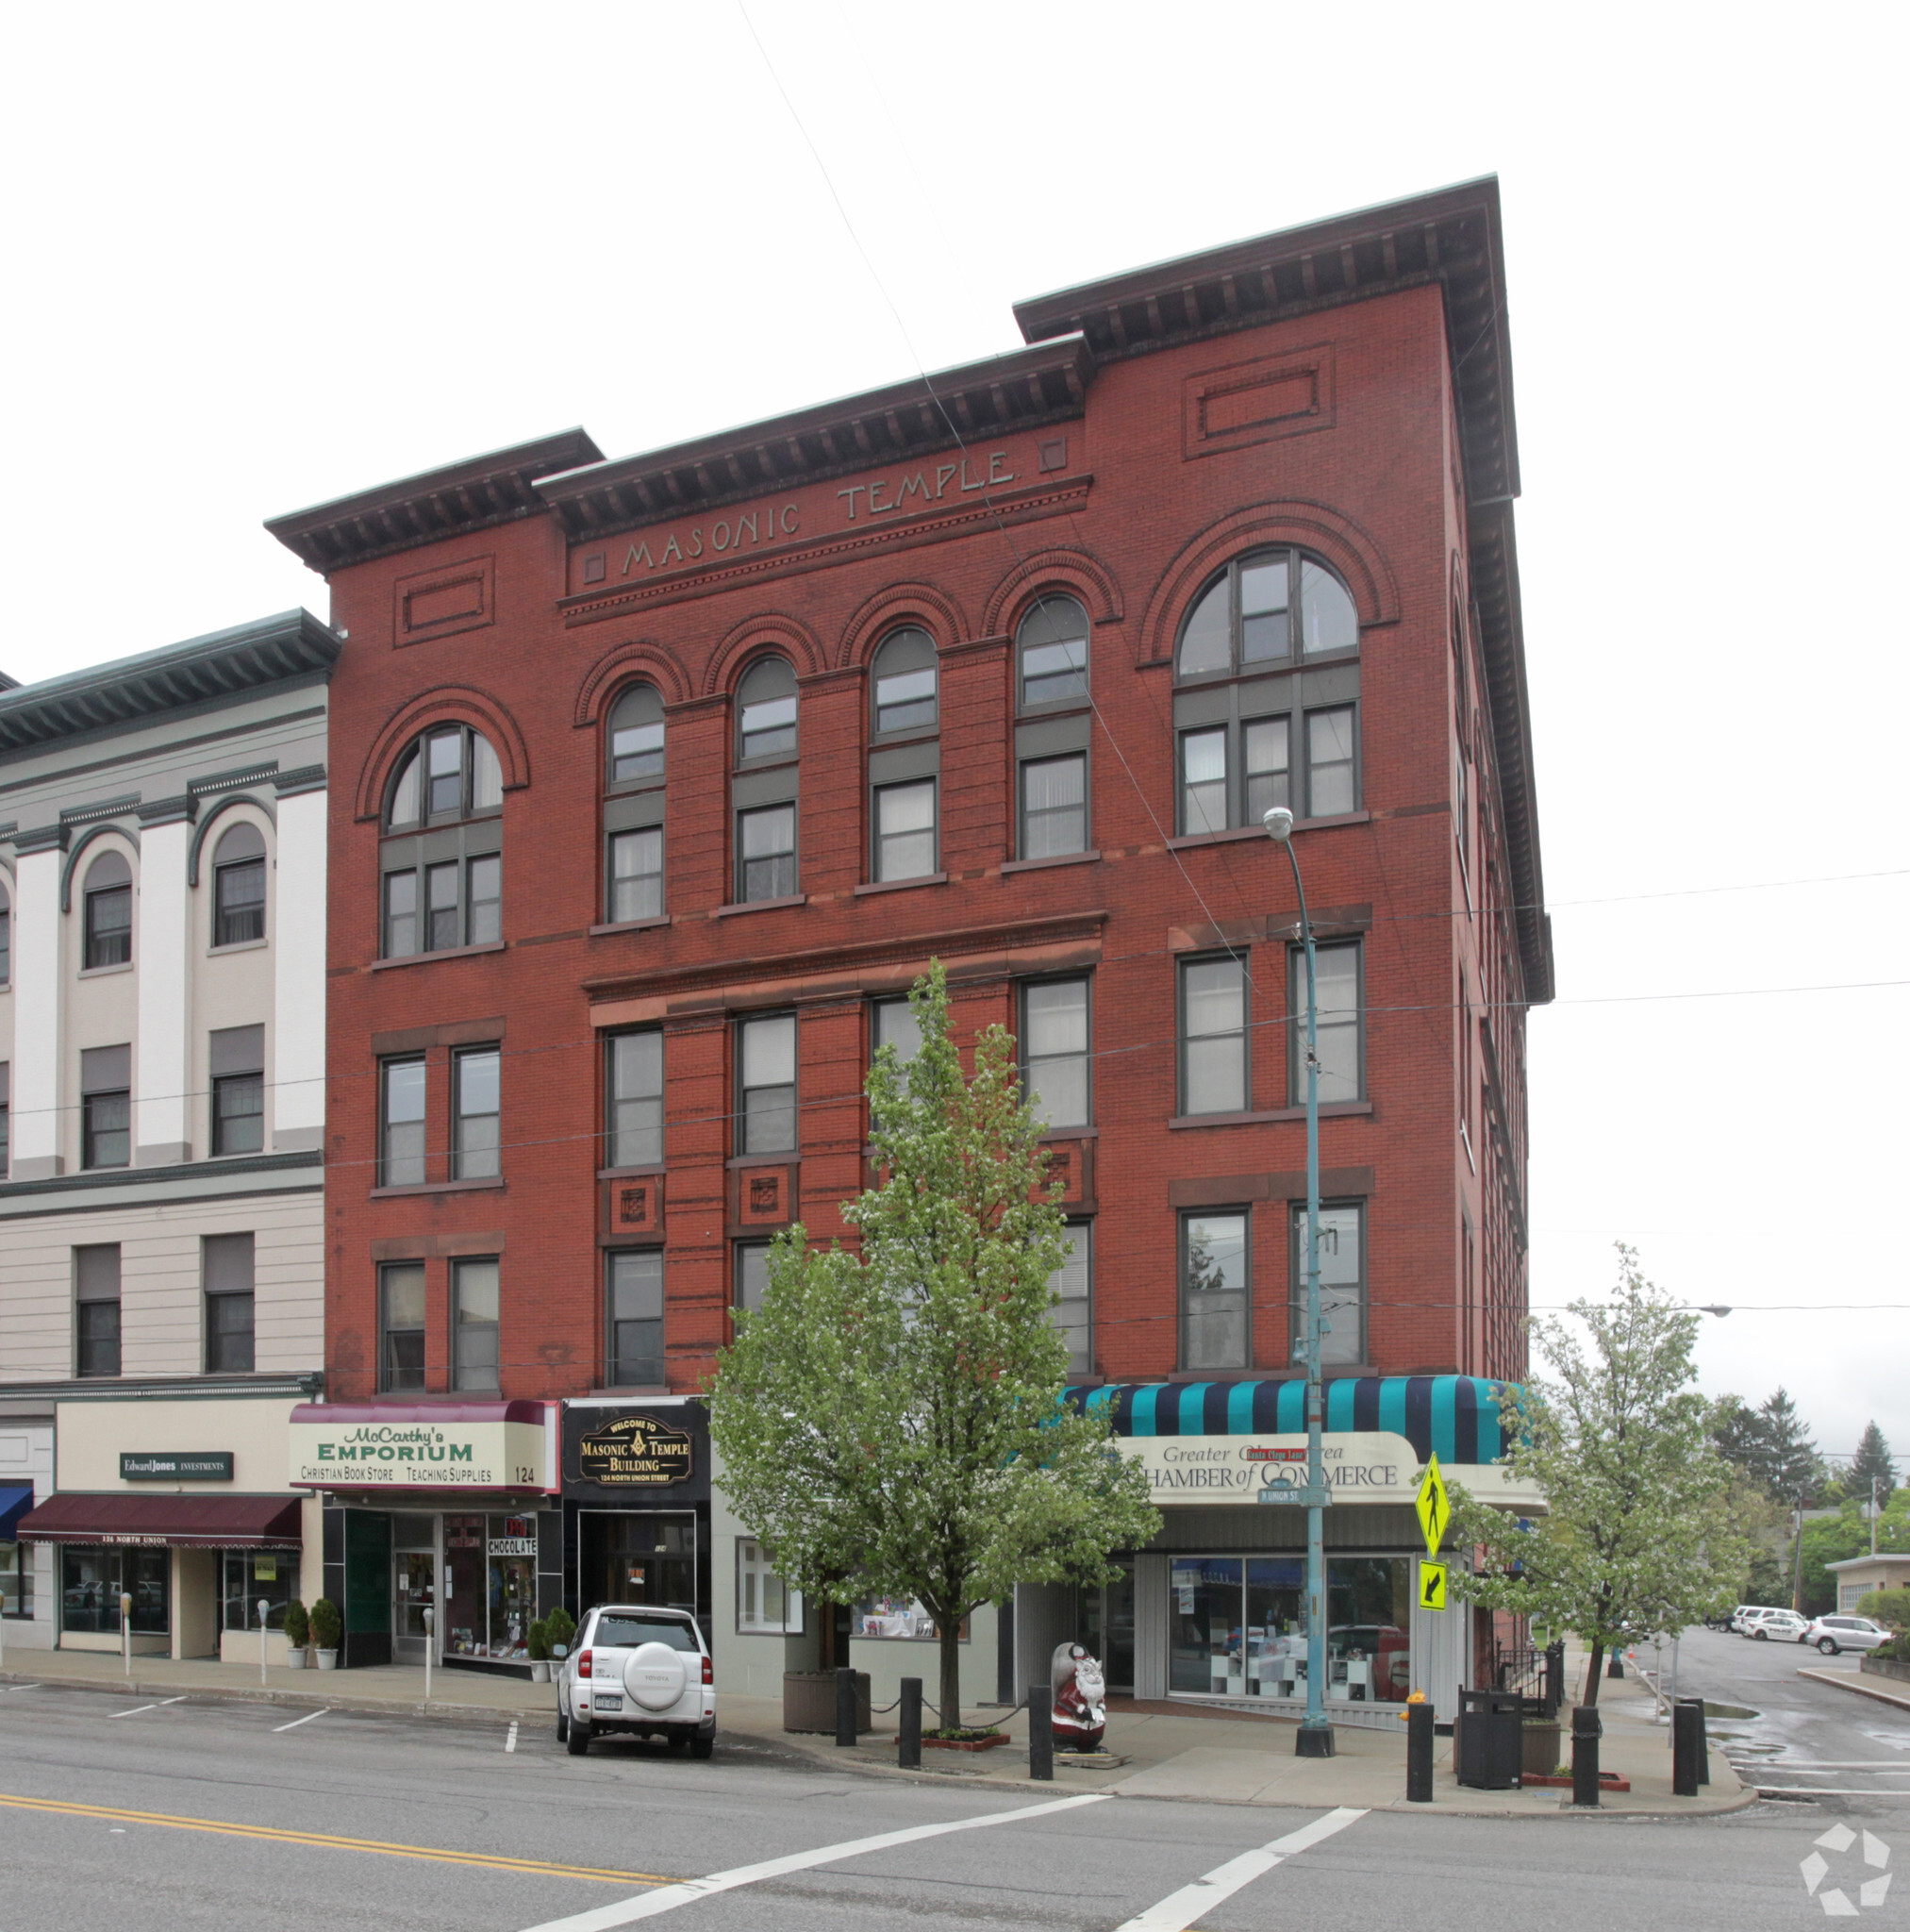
(1739,1434)
(1639,1535)
(1791,1465)
(890,1420)
(1872,1462)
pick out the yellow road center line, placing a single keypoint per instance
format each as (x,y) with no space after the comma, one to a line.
(488,1859)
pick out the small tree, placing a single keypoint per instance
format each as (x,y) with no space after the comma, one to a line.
(1792,1467)
(890,1420)
(1639,1535)
(1873,1462)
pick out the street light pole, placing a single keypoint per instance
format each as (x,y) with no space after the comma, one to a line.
(1315,1738)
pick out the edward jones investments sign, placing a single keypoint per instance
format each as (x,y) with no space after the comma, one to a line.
(406,1454)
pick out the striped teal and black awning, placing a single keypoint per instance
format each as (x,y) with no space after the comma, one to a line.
(1455,1417)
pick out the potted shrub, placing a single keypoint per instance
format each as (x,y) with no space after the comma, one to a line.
(560,1627)
(537,1642)
(327,1630)
(297,1634)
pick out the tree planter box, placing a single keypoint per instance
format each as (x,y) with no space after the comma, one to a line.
(1884,1667)
(1538,1750)
(964,1743)
(1608,1781)
(809,1702)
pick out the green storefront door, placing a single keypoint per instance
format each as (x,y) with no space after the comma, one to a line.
(367,1587)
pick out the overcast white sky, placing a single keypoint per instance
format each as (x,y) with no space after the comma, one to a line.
(261,255)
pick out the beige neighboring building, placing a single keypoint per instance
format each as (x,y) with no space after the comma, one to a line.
(162,875)
(1858,1576)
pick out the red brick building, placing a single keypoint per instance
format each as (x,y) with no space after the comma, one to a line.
(656,777)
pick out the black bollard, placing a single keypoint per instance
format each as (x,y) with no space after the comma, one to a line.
(1686,1746)
(1587,1727)
(1697,1704)
(1042,1733)
(1615,1666)
(845,1705)
(1418,1754)
(909,1733)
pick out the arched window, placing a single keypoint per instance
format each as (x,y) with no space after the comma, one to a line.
(766,711)
(763,790)
(1051,647)
(438,892)
(633,811)
(905,681)
(109,911)
(1256,739)
(1050,752)
(239,885)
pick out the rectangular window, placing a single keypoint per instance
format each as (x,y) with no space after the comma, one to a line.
(892,1022)
(239,902)
(1073,1282)
(1055,1051)
(1204,782)
(766,1055)
(1332,785)
(238,1113)
(6,1115)
(486,900)
(1214,1292)
(401,914)
(16,1581)
(1267,766)
(752,1274)
(1054,806)
(634,1094)
(97,1310)
(1338,1022)
(636,874)
(1342,1284)
(766,854)
(443,926)
(401,1326)
(1214,1054)
(105,1130)
(768,726)
(110,927)
(401,1124)
(473,1322)
(6,945)
(764,1606)
(633,1306)
(226,1268)
(474,1125)
(253,1576)
(905,830)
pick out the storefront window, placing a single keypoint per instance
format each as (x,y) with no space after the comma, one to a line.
(1239,1628)
(896,1616)
(628,1557)
(764,1603)
(250,1574)
(16,1580)
(492,1563)
(94,1579)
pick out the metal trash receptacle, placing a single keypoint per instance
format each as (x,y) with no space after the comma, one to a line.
(1487,1741)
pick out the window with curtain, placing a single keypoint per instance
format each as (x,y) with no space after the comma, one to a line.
(237,1059)
(475,1323)
(1214,1060)
(401,1326)
(1055,1051)
(1051,653)
(225,1263)
(475,1144)
(239,885)
(766,1082)
(633,1306)
(633,1088)
(108,911)
(444,891)
(903,683)
(401,1122)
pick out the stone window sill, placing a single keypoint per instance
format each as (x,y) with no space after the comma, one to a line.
(1015,865)
(629,924)
(1070,1134)
(443,953)
(236,946)
(490,1184)
(1236,832)
(927,878)
(102,971)
(631,1174)
(783,1157)
(761,905)
(1329,1109)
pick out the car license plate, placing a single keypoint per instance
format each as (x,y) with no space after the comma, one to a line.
(604,1700)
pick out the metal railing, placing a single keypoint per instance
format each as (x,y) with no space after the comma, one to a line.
(1536,1677)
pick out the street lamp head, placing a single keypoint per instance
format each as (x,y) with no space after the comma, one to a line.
(1279,823)
(1719,1308)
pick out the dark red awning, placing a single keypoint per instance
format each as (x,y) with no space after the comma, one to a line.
(194,1522)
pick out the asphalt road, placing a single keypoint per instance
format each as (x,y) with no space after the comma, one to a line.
(199,1814)
(1806,1735)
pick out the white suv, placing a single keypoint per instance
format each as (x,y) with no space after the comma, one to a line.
(641,1670)
(1833,1634)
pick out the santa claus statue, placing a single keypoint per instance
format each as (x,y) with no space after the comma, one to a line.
(1080,1699)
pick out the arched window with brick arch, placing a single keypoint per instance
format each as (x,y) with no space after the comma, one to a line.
(441,859)
(1250,733)
(904,757)
(764,784)
(1052,729)
(632,807)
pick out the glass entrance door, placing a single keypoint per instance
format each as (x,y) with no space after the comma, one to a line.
(415,1581)
(646,1557)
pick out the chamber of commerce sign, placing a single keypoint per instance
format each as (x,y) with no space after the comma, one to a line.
(418,1455)
(1360,1466)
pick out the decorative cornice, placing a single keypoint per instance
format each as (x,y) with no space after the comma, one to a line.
(233,780)
(294,784)
(106,808)
(41,838)
(181,807)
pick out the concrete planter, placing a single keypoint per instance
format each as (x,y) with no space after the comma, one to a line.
(294,1660)
(540,1670)
(809,1701)
(328,1659)
(1884,1667)
(1540,1754)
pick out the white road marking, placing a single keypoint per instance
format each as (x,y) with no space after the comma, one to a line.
(667,1898)
(511,1739)
(137,1707)
(297,1721)
(1180,1910)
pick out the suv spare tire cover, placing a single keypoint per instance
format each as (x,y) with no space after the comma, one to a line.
(655,1675)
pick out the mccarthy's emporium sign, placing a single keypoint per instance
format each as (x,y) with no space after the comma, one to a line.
(1363,1466)
(418,1455)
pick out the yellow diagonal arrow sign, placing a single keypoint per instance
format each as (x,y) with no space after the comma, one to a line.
(1434,1506)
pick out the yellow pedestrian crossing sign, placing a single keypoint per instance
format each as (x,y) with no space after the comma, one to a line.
(1435,1509)
(1432,1586)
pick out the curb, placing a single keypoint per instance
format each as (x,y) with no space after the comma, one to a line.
(1845,1681)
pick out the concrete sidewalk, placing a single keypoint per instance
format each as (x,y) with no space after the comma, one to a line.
(1193,1756)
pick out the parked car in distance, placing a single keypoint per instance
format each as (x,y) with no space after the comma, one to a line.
(1747,1614)
(1832,1634)
(1780,1627)
(636,1669)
